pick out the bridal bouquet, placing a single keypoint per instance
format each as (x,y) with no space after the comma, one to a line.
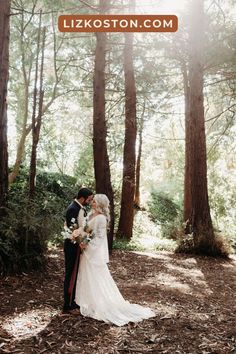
(84,234)
(69,230)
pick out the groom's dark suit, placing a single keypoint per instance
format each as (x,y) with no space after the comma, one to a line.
(71,250)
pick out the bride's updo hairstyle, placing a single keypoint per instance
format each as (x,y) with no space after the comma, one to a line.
(102,205)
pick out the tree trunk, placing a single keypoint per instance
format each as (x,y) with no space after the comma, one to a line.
(36,125)
(200,214)
(138,163)
(101,159)
(125,228)
(187,183)
(19,157)
(4,73)
(26,129)
(24,132)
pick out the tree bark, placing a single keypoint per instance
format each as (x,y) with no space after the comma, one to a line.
(200,214)
(26,77)
(101,159)
(138,163)
(36,125)
(4,74)
(187,183)
(125,228)
(26,129)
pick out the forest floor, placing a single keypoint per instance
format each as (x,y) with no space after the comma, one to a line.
(193,297)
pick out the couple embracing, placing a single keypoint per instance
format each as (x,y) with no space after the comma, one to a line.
(89,288)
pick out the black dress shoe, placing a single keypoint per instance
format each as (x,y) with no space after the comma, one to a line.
(74,312)
(74,306)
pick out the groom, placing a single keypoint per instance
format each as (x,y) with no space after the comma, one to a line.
(76,210)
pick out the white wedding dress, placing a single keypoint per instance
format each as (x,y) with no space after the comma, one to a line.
(96,292)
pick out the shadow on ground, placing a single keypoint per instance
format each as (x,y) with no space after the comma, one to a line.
(193,297)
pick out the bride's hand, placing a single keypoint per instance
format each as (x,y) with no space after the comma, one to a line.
(76,233)
(82,246)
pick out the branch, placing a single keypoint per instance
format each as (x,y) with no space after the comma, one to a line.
(218,115)
(90,6)
(218,81)
(222,134)
(21,9)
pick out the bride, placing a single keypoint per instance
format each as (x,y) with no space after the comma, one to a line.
(96,292)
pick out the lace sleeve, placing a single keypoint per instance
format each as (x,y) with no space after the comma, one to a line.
(97,250)
(101,226)
(99,230)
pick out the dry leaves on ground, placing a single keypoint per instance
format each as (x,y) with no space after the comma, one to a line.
(193,297)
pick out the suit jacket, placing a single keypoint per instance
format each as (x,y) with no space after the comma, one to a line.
(72,212)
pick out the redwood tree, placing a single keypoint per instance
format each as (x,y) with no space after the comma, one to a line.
(200,220)
(125,227)
(4,70)
(101,159)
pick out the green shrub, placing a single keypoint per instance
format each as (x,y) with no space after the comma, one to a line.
(127,245)
(220,246)
(172,230)
(185,244)
(163,244)
(28,224)
(162,208)
(165,212)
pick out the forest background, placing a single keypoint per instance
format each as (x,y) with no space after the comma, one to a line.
(111,112)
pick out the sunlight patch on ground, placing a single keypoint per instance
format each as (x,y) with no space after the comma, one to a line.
(189,261)
(53,255)
(162,256)
(194,276)
(28,324)
(163,310)
(172,282)
(188,271)
(201,317)
(230,265)
(117,331)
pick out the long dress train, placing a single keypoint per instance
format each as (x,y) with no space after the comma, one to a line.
(96,292)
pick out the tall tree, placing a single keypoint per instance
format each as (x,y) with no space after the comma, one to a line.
(187,183)
(38,96)
(101,159)
(26,75)
(200,220)
(4,70)
(24,35)
(138,163)
(125,228)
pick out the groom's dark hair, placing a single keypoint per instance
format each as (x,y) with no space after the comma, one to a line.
(84,193)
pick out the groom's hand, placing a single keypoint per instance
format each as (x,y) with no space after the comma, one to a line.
(75,234)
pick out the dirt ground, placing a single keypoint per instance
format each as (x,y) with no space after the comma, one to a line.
(193,297)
